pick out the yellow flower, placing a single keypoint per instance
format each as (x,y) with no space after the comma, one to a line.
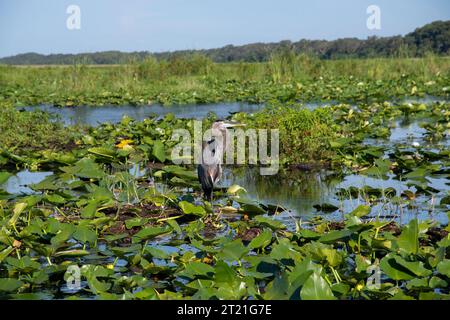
(359,286)
(207,260)
(124,144)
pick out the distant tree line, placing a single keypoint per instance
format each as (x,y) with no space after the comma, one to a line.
(431,38)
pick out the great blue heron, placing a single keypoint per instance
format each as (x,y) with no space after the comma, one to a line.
(210,169)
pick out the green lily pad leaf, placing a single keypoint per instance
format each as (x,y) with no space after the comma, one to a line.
(233,251)
(91,273)
(200,284)
(335,235)
(416,267)
(88,212)
(24,264)
(71,253)
(85,168)
(249,206)
(149,233)
(278,288)
(393,270)
(325,207)
(418,283)
(17,211)
(333,257)
(309,234)
(103,151)
(340,289)
(436,282)
(362,263)
(4,176)
(190,208)
(224,273)
(65,232)
(284,249)
(408,240)
(401,296)
(381,168)
(418,174)
(135,222)
(199,269)
(55,198)
(159,151)
(234,189)
(158,253)
(180,172)
(361,211)
(316,288)
(84,234)
(262,240)
(269,222)
(5,253)
(9,284)
(443,267)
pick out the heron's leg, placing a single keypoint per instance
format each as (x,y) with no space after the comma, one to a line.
(208,195)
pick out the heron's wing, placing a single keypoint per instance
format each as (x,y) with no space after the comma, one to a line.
(204,177)
(215,173)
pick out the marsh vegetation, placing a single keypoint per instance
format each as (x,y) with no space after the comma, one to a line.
(363,185)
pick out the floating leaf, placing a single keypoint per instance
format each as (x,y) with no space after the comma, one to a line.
(84,234)
(443,267)
(233,251)
(361,211)
(408,240)
(9,284)
(325,207)
(150,232)
(17,211)
(159,151)
(316,288)
(234,189)
(189,208)
(393,270)
(262,240)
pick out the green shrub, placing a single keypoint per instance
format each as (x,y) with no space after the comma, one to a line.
(23,132)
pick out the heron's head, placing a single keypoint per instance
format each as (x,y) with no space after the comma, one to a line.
(223,125)
(218,141)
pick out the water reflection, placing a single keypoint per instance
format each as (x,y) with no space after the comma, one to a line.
(298,192)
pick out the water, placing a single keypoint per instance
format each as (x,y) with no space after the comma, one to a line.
(20,182)
(95,115)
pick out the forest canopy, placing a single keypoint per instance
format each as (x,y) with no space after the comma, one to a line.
(432,38)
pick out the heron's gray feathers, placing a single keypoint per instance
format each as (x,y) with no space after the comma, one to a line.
(204,177)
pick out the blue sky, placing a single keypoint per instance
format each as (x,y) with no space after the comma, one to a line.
(160,25)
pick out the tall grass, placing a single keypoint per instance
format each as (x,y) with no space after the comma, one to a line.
(198,72)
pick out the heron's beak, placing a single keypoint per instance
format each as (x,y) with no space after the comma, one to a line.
(231,124)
